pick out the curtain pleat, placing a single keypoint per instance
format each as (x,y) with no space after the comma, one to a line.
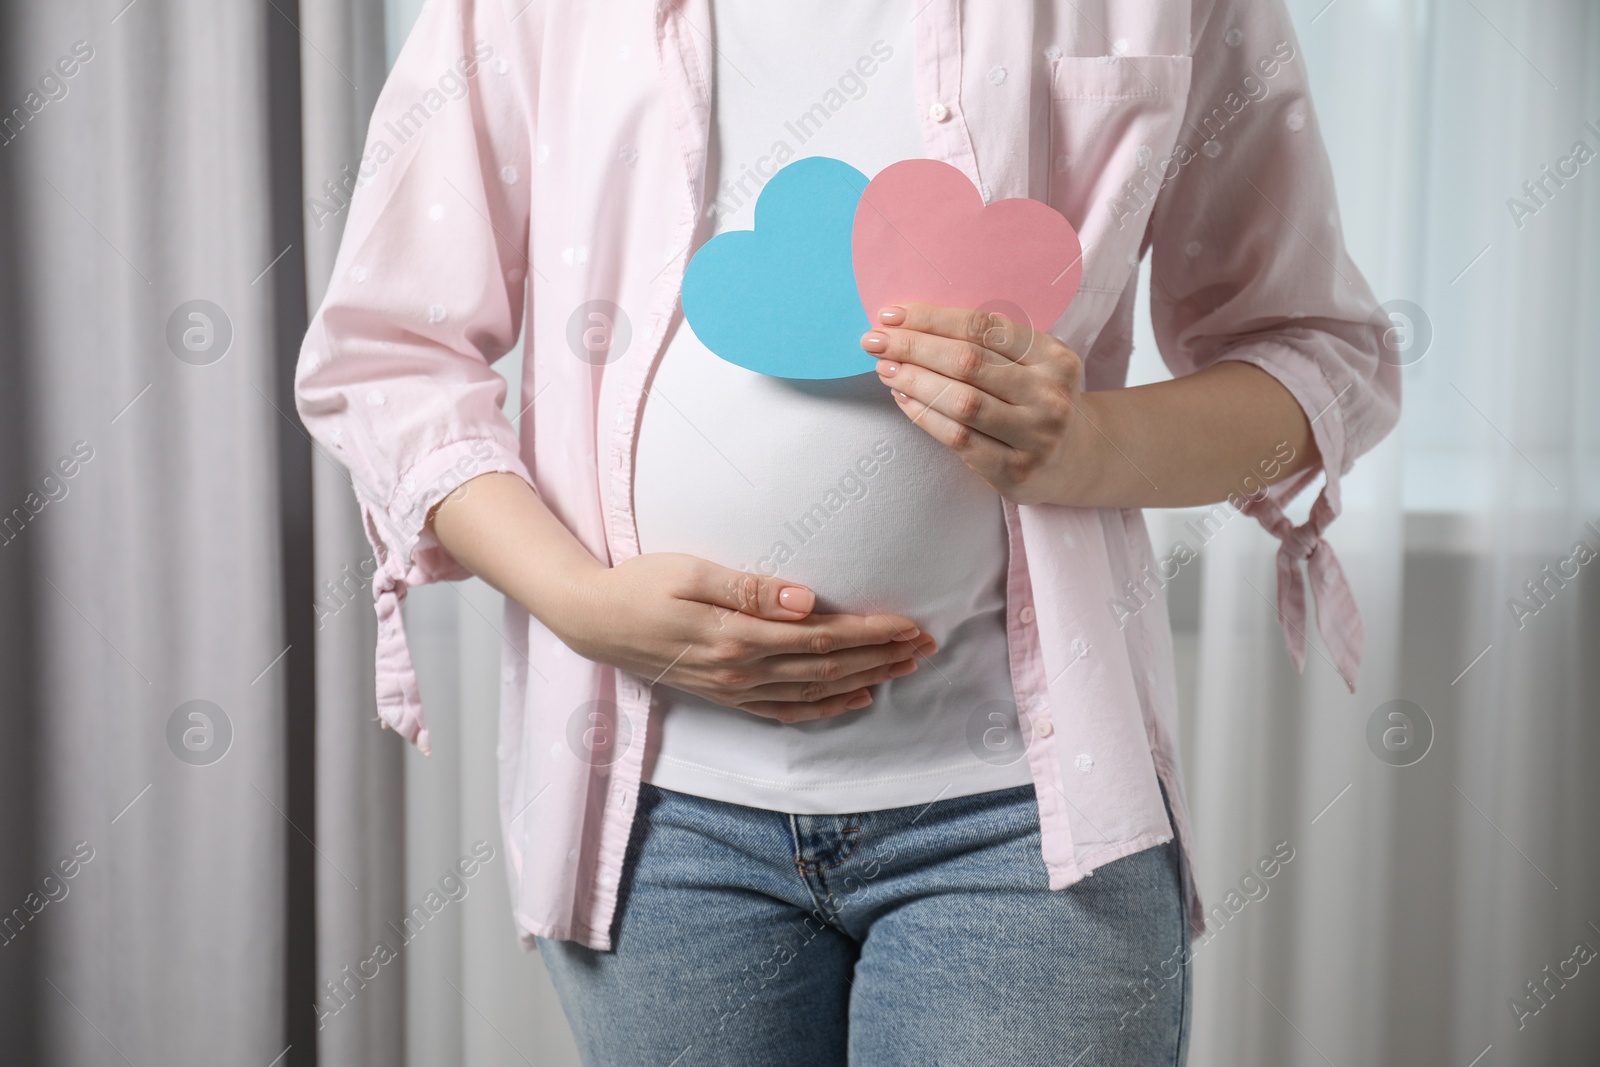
(1423,898)
(145,539)
(359,782)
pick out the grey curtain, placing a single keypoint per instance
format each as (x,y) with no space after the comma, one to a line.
(155,857)
(359,778)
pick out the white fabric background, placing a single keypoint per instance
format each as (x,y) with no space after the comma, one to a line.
(1424,898)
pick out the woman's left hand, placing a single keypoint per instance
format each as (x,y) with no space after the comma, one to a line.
(1004,398)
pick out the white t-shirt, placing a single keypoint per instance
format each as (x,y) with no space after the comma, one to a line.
(825,482)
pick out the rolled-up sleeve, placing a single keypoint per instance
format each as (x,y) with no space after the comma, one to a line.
(394,378)
(1248,263)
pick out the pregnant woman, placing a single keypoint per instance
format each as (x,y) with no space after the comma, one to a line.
(838,715)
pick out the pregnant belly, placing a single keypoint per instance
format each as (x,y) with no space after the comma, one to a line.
(824,483)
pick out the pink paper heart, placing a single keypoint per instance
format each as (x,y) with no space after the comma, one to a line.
(923,234)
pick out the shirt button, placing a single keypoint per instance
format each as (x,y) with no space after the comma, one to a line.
(938,113)
(1026,614)
(1044,727)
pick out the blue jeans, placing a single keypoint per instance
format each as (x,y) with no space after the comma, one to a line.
(918,935)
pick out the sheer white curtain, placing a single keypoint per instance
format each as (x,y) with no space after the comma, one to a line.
(1421,898)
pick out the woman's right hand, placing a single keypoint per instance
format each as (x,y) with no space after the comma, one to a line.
(740,640)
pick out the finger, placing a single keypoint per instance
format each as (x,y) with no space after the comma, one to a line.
(819,635)
(989,373)
(967,404)
(789,711)
(808,668)
(811,692)
(996,327)
(738,676)
(984,454)
(750,594)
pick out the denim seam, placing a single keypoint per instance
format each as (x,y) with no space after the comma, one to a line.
(851,838)
(811,871)
(823,906)
(1180,1052)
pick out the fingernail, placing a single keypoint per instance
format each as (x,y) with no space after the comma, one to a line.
(859,701)
(892,316)
(887,368)
(797,598)
(875,341)
(903,668)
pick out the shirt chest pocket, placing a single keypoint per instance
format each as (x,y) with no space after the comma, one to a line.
(1113,123)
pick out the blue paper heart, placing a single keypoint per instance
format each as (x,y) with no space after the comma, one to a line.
(781,299)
